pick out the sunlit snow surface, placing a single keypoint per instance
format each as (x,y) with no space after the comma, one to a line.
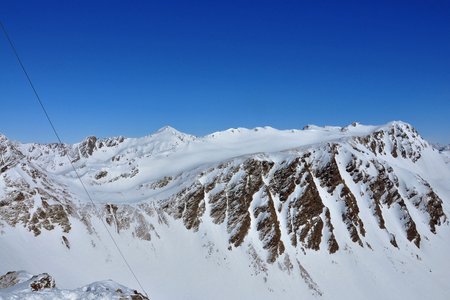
(183,264)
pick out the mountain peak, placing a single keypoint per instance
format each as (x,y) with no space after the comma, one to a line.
(402,130)
(167,128)
(170,132)
(400,125)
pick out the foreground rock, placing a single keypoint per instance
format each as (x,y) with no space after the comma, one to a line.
(22,285)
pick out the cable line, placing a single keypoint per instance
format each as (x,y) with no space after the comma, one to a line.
(67,155)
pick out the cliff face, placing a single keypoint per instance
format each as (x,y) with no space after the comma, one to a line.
(276,195)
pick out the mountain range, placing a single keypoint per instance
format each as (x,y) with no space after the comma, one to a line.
(329,212)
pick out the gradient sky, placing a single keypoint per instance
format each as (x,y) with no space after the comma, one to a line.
(110,68)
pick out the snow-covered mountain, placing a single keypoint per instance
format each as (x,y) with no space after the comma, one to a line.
(325,212)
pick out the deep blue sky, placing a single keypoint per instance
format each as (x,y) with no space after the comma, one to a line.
(109,68)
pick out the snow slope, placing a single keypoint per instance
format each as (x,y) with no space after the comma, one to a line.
(324,212)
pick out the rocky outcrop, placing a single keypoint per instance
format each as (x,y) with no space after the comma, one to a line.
(90,144)
(34,283)
(41,281)
(9,279)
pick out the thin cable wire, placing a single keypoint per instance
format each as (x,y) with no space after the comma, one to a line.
(67,155)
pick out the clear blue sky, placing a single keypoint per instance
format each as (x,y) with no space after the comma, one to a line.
(110,68)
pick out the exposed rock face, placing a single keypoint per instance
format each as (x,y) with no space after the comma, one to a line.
(91,144)
(332,181)
(296,201)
